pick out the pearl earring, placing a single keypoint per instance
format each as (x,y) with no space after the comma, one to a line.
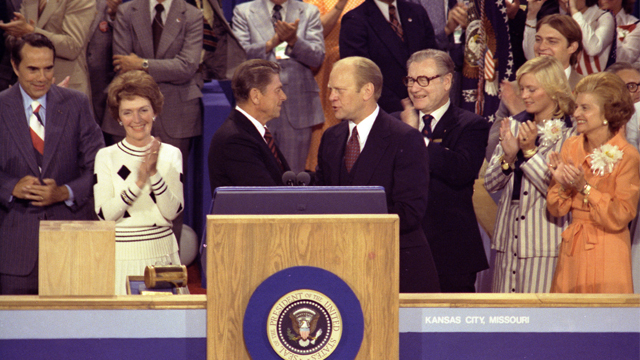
(120,122)
(605,122)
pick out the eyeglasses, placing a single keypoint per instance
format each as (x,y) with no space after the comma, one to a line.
(632,87)
(423,81)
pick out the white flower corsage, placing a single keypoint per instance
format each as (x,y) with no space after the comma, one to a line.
(604,159)
(550,132)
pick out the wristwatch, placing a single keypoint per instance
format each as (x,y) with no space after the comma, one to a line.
(145,64)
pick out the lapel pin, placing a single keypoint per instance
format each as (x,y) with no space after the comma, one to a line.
(409,19)
(178,20)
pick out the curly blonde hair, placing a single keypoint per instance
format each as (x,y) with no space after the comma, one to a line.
(617,103)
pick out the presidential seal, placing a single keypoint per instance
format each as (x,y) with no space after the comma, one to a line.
(304,324)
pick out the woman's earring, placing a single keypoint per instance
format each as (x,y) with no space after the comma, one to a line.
(120,122)
(605,123)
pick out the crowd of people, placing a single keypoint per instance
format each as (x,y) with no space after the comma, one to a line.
(383,109)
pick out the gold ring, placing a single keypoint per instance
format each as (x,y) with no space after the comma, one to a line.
(41,198)
(155,152)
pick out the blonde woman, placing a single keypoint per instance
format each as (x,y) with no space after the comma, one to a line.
(526,236)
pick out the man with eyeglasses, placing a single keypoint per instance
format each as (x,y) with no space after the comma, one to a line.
(370,147)
(455,140)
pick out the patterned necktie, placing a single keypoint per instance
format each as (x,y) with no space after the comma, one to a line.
(276,14)
(393,20)
(426,131)
(156,27)
(36,127)
(272,146)
(353,150)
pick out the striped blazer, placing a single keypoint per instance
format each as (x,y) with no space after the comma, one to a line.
(539,233)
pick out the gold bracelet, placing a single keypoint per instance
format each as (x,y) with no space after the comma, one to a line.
(586,190)
(528,154)
(505,165)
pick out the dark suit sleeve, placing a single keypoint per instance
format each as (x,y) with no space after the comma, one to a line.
(410,182)
(460,164)
(353,36)
(90,141)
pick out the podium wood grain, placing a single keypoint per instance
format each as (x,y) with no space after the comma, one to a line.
(244,250)
(77,258)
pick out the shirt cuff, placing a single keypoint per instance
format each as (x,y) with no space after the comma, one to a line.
(69,202)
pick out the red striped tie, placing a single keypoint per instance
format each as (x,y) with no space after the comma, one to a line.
(36,128)
(393,20)
(272,146)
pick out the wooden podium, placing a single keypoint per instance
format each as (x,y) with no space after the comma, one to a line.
(77,258)
(244,250)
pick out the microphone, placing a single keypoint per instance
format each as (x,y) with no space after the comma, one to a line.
(303,179)
(289,178)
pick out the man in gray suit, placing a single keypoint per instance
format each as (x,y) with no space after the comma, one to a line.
(290,33)
(47,151)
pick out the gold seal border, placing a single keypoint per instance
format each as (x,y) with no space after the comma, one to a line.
(308,295)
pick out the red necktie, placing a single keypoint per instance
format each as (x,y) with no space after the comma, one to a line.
(272,146)
(353,150)
(36,128)
(393,20)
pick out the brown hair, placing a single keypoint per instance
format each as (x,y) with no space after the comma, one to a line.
(131,84)
(567,27)
(252,74)
(617,103)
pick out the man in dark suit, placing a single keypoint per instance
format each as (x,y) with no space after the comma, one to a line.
(387,32)
(47,151)
(455,139)
(243,151)
(370,147)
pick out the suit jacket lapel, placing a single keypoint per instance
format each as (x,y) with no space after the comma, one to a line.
(172,27)
(248,126)
(411,34)
(294,12)
(261,19)
(52,6)
(16,121)
(55,123)
(373,151)
(336,149)
(381,26)
(141,19)
(101,6)
(445,124)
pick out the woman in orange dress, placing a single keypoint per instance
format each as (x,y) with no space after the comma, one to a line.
(596,177)
(331,12)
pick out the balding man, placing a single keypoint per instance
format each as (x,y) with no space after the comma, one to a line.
(455,140)
(370,147)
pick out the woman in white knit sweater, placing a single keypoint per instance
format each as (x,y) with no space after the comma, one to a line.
(138,181)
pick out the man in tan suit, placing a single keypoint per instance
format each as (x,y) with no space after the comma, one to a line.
(66,23)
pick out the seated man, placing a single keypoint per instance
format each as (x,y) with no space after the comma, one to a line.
(243,151)
(381,151)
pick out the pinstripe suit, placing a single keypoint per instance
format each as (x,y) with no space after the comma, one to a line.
(526,236)
(71,143)
(303,109)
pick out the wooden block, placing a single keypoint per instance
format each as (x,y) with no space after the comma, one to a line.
(244,250)
(77,258)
